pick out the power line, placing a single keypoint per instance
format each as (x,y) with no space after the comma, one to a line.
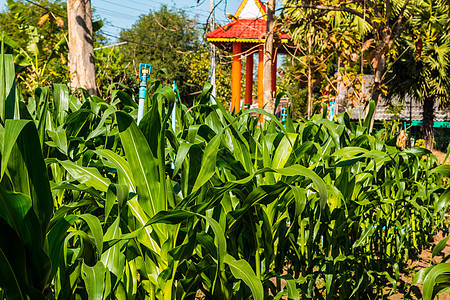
(128,40)
(45,8)
(118,13)
(121,5)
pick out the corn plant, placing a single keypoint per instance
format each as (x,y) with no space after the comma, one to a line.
(221,207)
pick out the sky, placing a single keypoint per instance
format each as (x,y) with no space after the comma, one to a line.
(119,14)
(123,14)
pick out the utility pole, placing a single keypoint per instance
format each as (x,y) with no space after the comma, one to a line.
(212,54)
(310,104)
(81,48)
(268,58)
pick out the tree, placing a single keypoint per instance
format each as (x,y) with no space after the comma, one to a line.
(47,18)
(111,69)
(36,35)
(197,66)
(387,20)
(269,57)
(423,72)
(326,61)
(162,38)
(81,45)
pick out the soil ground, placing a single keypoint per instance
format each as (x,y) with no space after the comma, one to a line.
(408,291)
(441,156)
(405,289)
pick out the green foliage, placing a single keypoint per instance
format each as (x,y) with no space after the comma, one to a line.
(23,19)
(162,38)
(37,38)
(111,69)
(293,81)
(198,69)
(422,72)
(329,45)
(220,205)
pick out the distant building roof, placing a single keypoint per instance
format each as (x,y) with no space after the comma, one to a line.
(242,30)
(410,108)
(248,25)
(251,9)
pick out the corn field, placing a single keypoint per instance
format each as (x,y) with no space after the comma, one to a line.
(94,206)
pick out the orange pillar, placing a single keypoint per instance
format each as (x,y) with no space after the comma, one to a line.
(260,76)
(274,75)
(249,79)
(236,78)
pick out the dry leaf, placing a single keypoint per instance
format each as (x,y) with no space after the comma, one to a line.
(43,20)
(367,45)
(59,22)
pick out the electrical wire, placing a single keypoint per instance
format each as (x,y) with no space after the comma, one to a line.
(121,5)
(45,8)
(118,13)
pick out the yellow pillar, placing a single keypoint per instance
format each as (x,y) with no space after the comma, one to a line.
(260,76)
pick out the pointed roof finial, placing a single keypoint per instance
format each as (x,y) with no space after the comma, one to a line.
(251,9)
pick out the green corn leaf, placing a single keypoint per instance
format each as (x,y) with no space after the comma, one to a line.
(13,210)
(14,129)
(220,240)
(96,231)
(332,130)
(24,157)
(292,290)
(43,93)
(115,192)
(143,165)
(94,278)
(349,152)
(59,139)
(145,234)
(55,239)
(125,99)
(439,247)
(442,169)
(87,175)
(113,258)
(367,233)
(283,151)
(419,277)
(123,168)
(300,200)
(7,88)
(8,279)
(61,102)
(296,170)
(170,217)
(443,202)
(439,274)
(183,150)
(241,269)
(370,113)
(16,211)
(208,163)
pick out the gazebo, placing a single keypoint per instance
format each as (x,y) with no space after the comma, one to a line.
(245,35)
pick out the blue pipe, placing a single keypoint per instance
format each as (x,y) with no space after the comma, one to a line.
(144,74)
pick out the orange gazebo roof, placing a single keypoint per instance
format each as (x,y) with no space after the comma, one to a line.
(248,26)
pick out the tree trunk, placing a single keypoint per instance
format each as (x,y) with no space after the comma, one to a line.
(310,101)
(268,58)
(379,71)
(81,48)
(428,121)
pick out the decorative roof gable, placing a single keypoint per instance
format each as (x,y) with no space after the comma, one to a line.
(251,9)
